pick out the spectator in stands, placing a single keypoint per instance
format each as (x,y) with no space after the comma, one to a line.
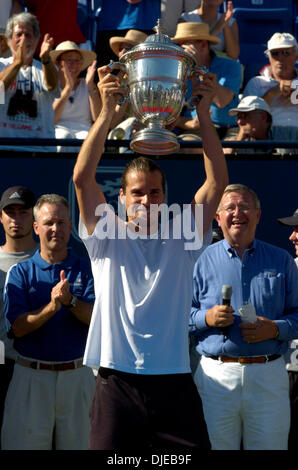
(48,303)
(79,102)
(123,120)
(4,48)
(222,25)
(171,11)
(59,18)
(9,8)
(274,83)
(30,86)
(119,16)
(254,120)
(196,39)
(16,217)
(122,44)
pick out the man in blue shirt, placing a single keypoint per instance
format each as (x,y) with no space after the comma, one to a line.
(242,378)
(117,17)
(48,303)
(196,39)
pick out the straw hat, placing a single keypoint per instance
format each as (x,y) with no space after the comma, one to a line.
(195,31)
(131,38)
(69,46)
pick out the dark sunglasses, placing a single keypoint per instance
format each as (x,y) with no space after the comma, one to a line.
(285,52)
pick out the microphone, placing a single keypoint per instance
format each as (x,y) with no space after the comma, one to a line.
(226,293)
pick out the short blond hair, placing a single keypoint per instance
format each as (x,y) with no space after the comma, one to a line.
(49,199)
(240,188)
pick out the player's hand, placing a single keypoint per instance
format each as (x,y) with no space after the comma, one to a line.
(110,87)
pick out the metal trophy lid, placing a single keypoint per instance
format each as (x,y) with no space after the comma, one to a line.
(158,42)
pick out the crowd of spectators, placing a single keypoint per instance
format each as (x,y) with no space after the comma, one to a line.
(66,107)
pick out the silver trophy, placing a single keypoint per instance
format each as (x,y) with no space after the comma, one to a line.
(157,71)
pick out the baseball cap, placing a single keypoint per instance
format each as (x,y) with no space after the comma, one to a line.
(290,220)
(17,195)
(281,41)
(250,103)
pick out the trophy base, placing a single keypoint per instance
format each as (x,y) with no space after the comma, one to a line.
(154,142)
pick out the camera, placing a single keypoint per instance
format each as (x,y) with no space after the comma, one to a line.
(22,103)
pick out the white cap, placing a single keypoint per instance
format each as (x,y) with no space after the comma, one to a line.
(250,103)
(281,41)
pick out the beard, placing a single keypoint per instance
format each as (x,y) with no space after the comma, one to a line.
(19,235)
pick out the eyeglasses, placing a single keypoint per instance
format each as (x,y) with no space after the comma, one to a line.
(73,61)
(284,52)
(242,208)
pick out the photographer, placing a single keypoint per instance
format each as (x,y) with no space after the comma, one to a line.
(30,85)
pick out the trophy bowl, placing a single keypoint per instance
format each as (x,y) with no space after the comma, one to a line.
(157,72)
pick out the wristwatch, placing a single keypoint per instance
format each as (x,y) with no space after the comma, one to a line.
(73,302)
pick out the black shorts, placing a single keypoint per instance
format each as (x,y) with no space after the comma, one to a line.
(146,412)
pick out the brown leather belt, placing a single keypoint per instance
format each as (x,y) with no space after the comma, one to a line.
(246,359)
(60,366)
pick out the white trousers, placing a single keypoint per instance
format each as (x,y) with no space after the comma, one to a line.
(64,133)
(43,407)
(248,402)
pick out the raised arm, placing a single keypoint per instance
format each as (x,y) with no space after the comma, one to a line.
(8,75)
(215,165)
(49,69)
(93,93)
(60,102)
(89,194)
(231,33)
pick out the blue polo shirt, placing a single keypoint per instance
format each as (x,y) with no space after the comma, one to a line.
(28,287)
(228,74)
(119,14)
(266,276)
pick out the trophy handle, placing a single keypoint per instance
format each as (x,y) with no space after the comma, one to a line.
(198,70)
(115,69)
(193,100)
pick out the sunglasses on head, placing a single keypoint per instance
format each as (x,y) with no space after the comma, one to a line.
(284,52)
